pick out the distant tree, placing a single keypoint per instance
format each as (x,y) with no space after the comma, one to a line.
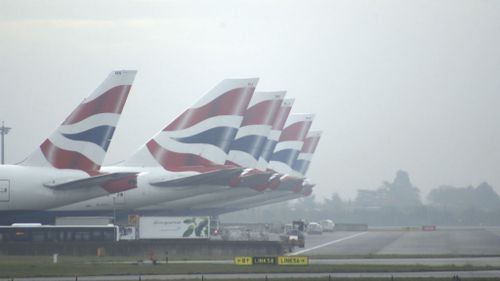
(459,199)
(485,198)
(399,194)
(307,206)
(334,203)
(370,198)
(449,197)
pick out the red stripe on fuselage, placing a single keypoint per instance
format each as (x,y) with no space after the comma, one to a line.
(112,101)
(233,102)
(65,159)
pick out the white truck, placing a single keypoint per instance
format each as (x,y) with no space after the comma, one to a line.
(327,225)
(314,228)
(174,227)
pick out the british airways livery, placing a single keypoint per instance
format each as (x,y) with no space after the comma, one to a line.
(274,134)
(290,142)
(187,157)
(244,153)
(252,137)
(65,167)
(200,138)
(300,165)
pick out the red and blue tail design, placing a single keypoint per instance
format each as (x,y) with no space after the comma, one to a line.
(200,138)
(301,165)
(252,135)
(290,142)
(274,134)
(82,140)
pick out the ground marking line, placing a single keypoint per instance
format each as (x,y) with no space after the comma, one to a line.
(328,243)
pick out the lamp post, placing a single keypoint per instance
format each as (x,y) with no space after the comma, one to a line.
(114,208)
(3,131)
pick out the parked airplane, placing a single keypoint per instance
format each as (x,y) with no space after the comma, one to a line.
(244,152)
(65,168)
(301,166)
(290,142)
(187,157)
(274,134)
(252,137)
(288,148)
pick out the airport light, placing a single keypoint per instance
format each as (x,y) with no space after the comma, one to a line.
(3,131)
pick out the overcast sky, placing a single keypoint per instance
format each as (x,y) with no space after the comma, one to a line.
(412,85)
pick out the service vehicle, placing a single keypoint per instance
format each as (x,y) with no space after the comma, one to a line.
(314,228)
(174,227)
(327,225)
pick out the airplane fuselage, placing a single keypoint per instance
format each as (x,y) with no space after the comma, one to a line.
(146,194)
(26,188)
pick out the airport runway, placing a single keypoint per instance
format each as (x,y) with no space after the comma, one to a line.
(445,246)
(399,241)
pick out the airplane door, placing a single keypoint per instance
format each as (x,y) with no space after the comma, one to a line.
(4,190)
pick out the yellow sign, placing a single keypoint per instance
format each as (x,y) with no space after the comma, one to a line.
(293,260)
(264,260)
(243,260)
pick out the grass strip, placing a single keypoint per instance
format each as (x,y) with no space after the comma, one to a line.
(326,278)
(82,267)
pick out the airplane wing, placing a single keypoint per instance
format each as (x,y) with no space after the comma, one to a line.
(291,184)
(258,181)
(219,177)
(112,182)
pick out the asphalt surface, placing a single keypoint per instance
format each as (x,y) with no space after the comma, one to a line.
(445,246)
(447,241)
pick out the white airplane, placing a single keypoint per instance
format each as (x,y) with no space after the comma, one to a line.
(65,168)
(274,134)
(186,158)
(244,152)
(290,143)
(300,167)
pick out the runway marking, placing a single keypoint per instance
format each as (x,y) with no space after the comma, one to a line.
(328,243)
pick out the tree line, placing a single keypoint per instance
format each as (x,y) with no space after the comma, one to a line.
(393,203)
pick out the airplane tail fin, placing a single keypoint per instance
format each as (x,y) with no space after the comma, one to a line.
(82,140)
(255,127)
(290,142)
(199,138)
(301,164)
(274,134)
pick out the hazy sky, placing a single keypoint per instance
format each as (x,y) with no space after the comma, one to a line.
(412,85)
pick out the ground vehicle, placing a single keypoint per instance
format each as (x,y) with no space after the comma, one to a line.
(293,238)
(174,227)
(35,232)
(299,224)
(327,225)
(314,228)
